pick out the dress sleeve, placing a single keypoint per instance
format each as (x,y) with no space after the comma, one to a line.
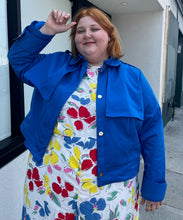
(152,146)
(25,52)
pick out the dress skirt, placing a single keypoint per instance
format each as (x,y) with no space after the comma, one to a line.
(64,185)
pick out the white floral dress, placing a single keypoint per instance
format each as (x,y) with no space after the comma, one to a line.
(64,186)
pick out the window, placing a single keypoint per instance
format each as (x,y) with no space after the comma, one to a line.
(11,140)
(5,125)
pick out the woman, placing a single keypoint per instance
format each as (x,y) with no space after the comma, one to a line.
(91,117)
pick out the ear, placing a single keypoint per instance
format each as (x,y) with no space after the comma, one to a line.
(109,38)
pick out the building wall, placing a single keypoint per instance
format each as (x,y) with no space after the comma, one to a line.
(141,36)
(173,7)
(12,175)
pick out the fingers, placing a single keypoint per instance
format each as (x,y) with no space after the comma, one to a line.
(70,25)
(60,16)
(142,201)
(151,206)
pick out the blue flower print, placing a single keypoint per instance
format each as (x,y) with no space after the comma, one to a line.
(88,208)
(42,211)
(76,140)
(74,205)
(69,141)
(88,144)
(81,100)
(25,216)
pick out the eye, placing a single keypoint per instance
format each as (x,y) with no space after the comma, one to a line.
(95,29)
(80,31)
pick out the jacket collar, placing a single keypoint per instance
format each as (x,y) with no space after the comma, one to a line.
(110,62)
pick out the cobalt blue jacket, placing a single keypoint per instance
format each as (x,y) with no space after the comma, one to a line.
(128,115)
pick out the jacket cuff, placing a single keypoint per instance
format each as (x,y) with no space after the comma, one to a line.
(34,40)
(153,191)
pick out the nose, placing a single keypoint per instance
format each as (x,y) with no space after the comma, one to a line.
(87,34)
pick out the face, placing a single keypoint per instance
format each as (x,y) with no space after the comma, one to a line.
(91,41)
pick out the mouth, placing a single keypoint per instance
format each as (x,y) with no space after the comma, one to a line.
(89,43)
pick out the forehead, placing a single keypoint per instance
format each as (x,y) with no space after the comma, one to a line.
(86,21)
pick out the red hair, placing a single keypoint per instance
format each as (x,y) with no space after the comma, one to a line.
(114,47)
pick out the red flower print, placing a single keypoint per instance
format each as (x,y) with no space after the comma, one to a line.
(137,202)
(59,190)
(69,187)
(94,171)
(79,125)
(90,119)
(87,163)
(93,155)
(136,206)
(67,216)
(72,113)
(34,177)
(81,114)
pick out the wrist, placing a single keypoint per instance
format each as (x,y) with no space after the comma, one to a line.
(46,30)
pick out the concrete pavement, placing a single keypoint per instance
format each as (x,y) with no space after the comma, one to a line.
(173,204)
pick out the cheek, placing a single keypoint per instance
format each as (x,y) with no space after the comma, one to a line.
(77,41)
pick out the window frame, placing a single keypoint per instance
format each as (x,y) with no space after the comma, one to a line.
(13,146)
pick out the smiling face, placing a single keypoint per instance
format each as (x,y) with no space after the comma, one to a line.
(92,40)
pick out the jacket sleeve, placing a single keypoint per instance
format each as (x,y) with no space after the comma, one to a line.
(24,53)
(152,146)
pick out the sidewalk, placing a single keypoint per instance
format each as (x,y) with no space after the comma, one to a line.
(173,204)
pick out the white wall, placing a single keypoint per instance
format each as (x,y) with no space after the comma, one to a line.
(141,35)
(12,175)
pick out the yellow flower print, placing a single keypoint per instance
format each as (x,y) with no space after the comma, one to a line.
(133,192)
(28,161)
(57,145)
(26,195)
(52,156)
(87,184)
(74,161)
(131,199)
(46,184)
(93,86)
(56,131)
(68,131)
(93,94)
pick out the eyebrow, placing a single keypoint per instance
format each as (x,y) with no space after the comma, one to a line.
(93,25)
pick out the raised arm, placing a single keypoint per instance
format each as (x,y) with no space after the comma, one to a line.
(25,52)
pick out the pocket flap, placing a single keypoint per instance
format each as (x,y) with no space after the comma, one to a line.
(124,98)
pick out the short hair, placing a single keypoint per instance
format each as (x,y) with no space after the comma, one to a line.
(114,47)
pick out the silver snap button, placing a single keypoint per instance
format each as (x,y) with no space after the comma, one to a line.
(101,133)
(99,96)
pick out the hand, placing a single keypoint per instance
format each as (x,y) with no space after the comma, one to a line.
(56,23)
(151,206)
